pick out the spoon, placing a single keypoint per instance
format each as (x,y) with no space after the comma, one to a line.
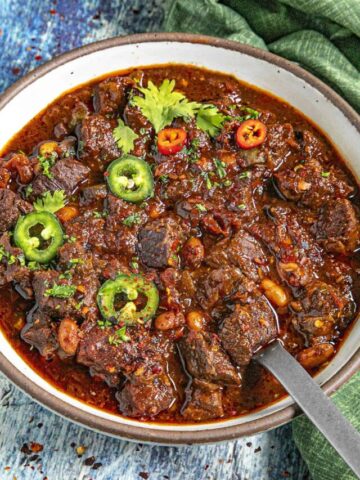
(313,402)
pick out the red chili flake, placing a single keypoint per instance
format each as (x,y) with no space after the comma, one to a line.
(206,467)
(285,474)
(7,469)
(15,70)
(249,444)
(36,447)
(96,466)
(52,11)
(38,57)
(89,461)
(25,449)
(144,475)
(258,449)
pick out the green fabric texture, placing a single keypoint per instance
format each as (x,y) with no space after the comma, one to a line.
(323,36)
(322,460)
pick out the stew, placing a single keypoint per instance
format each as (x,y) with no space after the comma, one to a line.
(158,227)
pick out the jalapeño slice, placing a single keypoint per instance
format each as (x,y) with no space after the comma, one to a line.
(131,287)
(130,178)
(39,235)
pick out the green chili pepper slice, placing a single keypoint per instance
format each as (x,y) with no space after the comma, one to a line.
(130,178)
(39,235)
(131,286)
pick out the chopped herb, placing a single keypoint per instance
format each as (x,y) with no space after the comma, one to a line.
(242,206)
(201,207)
(61,291)
(227,183)
(134,264)
(79,305)
(72,239)
(119,336)
(21,259)
(34,266)
(67,275)
(124,136)
(143,131)
(132,220)
(220,168)
(104,324)
(325,174)
(28,191)
(11,259)
(76,261)
(207,180)
(244,175)
(50,202)
(164,178)
(161,105)
(47,162)
(251,113)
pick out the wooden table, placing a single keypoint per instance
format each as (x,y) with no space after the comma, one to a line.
(32,32)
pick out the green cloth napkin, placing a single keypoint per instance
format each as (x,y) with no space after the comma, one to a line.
(323,36)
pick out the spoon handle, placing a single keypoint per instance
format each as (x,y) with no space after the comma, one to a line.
(313,402)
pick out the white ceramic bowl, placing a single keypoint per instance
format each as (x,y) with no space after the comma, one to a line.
(341,124)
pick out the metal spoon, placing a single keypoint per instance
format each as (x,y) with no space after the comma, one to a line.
(313,402)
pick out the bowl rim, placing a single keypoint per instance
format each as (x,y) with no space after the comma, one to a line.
(138,433)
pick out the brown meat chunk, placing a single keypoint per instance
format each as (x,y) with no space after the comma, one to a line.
(94,194)
(205,359)
(280,144)
(242,251)
(110,95)
(204,402)
(146,396)
(11,269)
(41,334)
(247,329)
(67,174)
(337,228)
(159,241)
(312,184)
(12,206)
(298,256)
(322,310)
(98,143)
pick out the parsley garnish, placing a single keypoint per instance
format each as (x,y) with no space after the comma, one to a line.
(60,291)
(242,206)
(201,207)
(220,168)
(28,191)
(244,175)
(104,324)
(119,336)
(9,256)
(207,180)
(76,261)
(132,220)
(124,136)
(46,163)
(161,105)
(325,174)
(50,202)
(164,178)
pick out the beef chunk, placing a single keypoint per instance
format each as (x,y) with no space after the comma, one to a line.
(11,269)
(298,257)
(93,195)
(41,334)
(280,144)
(67,174)
(337,228)
(50,305)
(98,144)
(110,95)
(204,403)
(226,282)
(248,328)
(12,206)
(312,184)
(242,251)
(159,241)
(146,396)
(110,360)
(206,360)
(321,310)
(88,230)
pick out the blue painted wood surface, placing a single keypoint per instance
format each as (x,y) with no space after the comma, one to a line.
(32,32)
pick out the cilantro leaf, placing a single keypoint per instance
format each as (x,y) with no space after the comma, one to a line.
(124,136)
(119,336)
(161,105)
(210,120)
(61,291)
(50,202)
(46,162)
(132,220)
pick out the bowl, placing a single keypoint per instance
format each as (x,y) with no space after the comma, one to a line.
(329,111)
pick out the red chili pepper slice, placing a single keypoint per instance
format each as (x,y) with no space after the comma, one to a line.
(171,140)
(250,134)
